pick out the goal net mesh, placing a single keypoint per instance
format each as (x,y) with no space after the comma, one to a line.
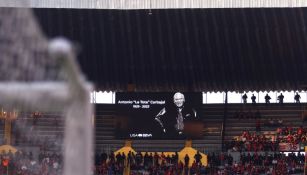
(38,134)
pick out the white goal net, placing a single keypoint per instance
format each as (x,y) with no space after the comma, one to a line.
(44,100)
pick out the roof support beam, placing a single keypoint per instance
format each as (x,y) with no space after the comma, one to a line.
(152,4)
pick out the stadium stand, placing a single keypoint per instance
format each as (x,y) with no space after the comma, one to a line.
(163,50)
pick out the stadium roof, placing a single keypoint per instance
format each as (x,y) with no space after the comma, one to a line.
(187,49)
(152,4)
(189,45)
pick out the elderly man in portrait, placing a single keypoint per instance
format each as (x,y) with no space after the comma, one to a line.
(173,117)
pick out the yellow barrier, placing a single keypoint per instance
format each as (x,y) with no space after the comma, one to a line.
(7,148)
(191,153)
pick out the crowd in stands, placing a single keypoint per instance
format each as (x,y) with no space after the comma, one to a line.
(267,142)
(249,163)
(257,164)
(291,135)
(274,123)
(253,142)
(259,154)
(148,163)
(22,163)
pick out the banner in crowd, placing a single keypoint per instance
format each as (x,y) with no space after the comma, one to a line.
(158,115)
(289,147)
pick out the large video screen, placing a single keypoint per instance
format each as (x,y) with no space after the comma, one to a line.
(158,115)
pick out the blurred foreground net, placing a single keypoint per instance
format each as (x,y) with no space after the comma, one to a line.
(44,101)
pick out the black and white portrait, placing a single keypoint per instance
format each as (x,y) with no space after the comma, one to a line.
(164,115)
(172,118)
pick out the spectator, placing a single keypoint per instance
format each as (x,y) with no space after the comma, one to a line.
(138,158)
(156,158)
(280,98)
(267,99)
(253,99)
(103,157)
(186,160)
(280,122)
(278,131)
(175,158)
(297,98)
(118,158)
(112,157)
(244,98)
(197,157)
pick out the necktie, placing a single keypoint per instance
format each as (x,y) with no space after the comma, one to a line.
(180,124)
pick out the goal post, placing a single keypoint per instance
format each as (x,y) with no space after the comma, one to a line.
(74,99)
